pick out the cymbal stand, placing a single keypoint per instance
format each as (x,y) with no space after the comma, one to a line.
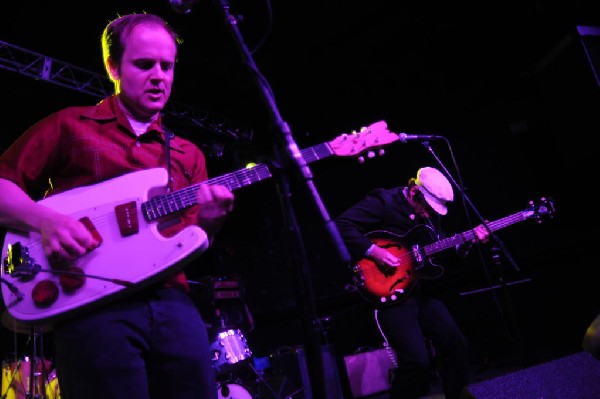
(10,380)
(260,378)
(37,380)
(13,374)
(14,371)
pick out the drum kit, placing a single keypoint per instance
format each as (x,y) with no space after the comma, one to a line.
(28,377)
(239,374)
(230,353)
(32,377)
(232,357)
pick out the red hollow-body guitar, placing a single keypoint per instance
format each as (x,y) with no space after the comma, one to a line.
(386,285)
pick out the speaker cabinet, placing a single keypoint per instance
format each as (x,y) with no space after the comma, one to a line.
(575,376)
(590,38)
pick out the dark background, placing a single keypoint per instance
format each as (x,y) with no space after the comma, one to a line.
(510,84)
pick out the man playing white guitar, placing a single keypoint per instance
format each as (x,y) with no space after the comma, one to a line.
(377,232)
(69,257)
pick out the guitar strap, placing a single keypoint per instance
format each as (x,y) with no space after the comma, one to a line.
(168,136)
(435,235)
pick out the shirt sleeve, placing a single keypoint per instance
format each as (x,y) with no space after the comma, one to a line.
(358,220)
(31,159)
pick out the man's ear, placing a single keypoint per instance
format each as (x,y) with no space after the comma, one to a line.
(112,69)
(413,191)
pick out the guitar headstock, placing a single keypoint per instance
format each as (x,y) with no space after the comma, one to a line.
(368,139)
(540,211)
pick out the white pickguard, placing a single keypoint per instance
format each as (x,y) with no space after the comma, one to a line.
(140,259)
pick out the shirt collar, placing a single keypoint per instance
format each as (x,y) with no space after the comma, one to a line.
(109,110)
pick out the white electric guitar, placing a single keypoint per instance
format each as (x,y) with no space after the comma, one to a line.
(122,213)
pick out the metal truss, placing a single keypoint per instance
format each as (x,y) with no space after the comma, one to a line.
(39,66)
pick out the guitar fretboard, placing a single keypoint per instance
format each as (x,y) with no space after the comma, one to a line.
(164,205)
(469,235)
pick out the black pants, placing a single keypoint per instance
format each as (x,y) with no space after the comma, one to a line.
(152,346)
(406,326)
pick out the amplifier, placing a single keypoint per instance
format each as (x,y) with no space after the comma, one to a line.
(369,372)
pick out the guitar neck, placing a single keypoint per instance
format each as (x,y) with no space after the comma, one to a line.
(259,172)
(457,239)
(167,204)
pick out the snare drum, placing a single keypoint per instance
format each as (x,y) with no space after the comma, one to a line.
(229,351)
(229,390)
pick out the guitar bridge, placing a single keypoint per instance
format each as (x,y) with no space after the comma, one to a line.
(19,264)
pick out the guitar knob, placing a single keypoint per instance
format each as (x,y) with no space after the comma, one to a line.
(393,297)
(370,154)
(383,299)
(361,159)
(381,152)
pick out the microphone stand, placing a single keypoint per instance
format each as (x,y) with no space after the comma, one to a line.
(287,151)
(499,247)
(468,201)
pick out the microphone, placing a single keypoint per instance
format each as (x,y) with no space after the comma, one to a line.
(403,137)
(182,6)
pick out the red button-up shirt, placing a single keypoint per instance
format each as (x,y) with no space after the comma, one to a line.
(80,146)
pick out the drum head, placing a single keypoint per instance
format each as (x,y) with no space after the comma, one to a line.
(229,351)
(229,390)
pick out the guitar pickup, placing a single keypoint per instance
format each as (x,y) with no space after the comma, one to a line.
(418,257)
(127,218)
(417,253)
(87,222)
